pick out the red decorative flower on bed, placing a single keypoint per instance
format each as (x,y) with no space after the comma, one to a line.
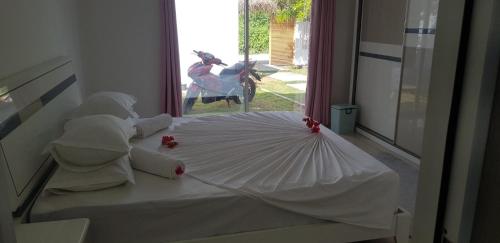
(312,124)
(168,141)
(179,170)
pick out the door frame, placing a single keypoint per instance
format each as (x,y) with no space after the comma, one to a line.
(463,79)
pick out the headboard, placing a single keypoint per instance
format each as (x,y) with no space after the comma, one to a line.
(34,104)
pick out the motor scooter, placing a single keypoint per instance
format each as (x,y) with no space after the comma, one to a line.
(228,85)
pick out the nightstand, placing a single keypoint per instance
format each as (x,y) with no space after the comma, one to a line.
(63,231)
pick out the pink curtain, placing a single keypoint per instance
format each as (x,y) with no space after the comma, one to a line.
(171,93)
(320,73)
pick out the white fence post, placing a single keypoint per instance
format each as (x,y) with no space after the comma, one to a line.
(301,50)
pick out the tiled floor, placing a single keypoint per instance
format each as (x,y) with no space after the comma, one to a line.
(389,240)
(408,173)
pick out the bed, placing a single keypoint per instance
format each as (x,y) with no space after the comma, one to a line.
(197,207)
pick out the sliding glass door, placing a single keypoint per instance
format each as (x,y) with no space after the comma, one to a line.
(247,55)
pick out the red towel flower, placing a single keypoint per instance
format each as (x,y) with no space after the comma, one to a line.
(168,141)
(179,170)
(312,124)
(309,121)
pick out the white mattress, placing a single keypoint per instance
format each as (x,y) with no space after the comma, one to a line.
(357,189)
(160,210)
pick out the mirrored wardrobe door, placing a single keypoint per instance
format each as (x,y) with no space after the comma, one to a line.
(378,74)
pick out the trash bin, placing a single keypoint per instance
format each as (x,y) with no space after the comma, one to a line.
(344,118)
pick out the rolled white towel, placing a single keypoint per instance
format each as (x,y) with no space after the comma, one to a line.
(156,163)
(147,126)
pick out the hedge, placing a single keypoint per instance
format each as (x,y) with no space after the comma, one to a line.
(259,33)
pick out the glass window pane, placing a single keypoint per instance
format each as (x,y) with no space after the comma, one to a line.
(210,27)
(279,47)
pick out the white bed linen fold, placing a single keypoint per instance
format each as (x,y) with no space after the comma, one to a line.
(274,157)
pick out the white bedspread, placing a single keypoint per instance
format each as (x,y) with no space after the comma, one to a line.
(273,156)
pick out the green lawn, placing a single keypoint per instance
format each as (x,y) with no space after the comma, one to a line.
(263,100)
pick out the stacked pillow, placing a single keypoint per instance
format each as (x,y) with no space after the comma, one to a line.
(93,151)
(111,103)
(116,173)
(92,142)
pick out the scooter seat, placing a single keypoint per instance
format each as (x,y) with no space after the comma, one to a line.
(232,70)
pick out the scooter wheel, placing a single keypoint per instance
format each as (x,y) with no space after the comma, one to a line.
(188,104)
(251,89)
(189,101)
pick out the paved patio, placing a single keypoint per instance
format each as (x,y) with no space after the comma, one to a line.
(294,80)
(288,77)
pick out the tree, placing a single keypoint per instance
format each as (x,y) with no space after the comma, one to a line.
(261,13)
(300,10)
(282,10)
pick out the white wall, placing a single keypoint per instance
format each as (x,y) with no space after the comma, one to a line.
(33,31)
(120,42)
(114,42)
(345,15)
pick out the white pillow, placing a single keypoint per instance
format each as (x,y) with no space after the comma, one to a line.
(91,142)
(126,126)
(116,173)
(111,103)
